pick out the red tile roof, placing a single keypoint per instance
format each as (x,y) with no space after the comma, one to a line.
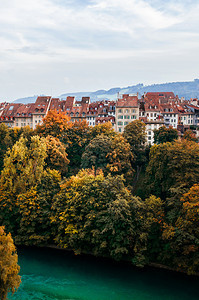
(127,101)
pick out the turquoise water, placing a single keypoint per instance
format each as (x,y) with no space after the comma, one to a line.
(54,274)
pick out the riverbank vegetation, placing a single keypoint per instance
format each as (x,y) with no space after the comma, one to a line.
(9,269)
(96,191)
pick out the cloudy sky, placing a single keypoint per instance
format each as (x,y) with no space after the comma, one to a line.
(56,46)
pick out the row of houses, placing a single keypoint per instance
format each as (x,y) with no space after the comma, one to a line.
(154,109)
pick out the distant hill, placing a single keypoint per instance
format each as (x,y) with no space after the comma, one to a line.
(187,89)
(26,100)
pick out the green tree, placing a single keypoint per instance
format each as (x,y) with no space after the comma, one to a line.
(9,269)
(78,137)
(172,166)
(135,135)
(164,134)
(182,237)
(96,153)
(98,215)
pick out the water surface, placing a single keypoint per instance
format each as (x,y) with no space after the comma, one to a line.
(50,274)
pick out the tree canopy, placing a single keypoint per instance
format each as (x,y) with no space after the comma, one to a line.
(172,165)
(164,134)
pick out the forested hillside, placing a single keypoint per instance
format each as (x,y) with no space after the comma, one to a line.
(99,192)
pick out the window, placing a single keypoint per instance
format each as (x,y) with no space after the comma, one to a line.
(120,111)
(126,123)
(133,117)
(120,117)
(127,111)
(120,129)
(149,138)
(149,132)
(133,110)
(120,123)
(126,117)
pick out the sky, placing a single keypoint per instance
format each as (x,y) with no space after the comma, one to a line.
(53,47)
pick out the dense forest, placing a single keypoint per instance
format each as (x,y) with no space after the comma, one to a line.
(95,191)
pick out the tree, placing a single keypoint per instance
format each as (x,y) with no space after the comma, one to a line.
(153,221)
(97,214)
(56,155)
(120,158)
(23,165)
(23,169)
(111,154)
(55,124)
(164,134)
(9,136)
(105,128)
(182,237)
(172,165)
(9,269)
(96,153)
(190,136)
(78,137)
(34,207)
(135,135)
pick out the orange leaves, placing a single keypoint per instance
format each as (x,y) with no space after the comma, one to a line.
(9,269)
(54,123)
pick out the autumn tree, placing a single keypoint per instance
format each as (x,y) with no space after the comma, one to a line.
(120,158)
(56,158)
(104,128)
(55,124)
(23,169)
(34,208)
(23,165)
(190,136)
(9,269)
(164,134)
(5,142)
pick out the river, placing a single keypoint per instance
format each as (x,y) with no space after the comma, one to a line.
(55,274)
